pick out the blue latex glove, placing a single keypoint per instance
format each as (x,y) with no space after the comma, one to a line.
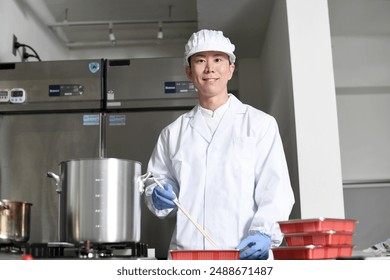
(255,247)
(162,198)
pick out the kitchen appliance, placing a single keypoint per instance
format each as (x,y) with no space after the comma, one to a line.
(56,111)
(99,200)
(57,117)
(59,250)
(14,221)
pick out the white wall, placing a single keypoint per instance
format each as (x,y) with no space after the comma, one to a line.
(361,61)
(17,18)
(364,120)
(362,75)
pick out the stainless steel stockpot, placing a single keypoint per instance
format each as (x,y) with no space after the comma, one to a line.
(99,200)
(14,221)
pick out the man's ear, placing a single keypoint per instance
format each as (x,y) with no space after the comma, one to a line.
(232,68)
(188,72)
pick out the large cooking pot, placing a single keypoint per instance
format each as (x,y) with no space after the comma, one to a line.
(14,221)
(99,200)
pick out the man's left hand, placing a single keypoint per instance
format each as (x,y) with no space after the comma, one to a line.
(255,247)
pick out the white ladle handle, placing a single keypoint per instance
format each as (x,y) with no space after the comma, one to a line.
(185,212)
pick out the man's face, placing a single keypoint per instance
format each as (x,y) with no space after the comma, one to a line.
(210,72)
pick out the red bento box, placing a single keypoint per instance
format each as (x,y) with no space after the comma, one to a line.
(317,225)
(311,252)
(205,254)
(323,238)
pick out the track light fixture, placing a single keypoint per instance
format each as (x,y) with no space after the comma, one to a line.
(160,34)
(111,34)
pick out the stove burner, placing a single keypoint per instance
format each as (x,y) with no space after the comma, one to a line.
(61,250)
(13,248)
(47,250)
(113,250)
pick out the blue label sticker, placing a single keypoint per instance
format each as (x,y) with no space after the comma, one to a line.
(54,90)
(117,120)
(94,67)
(91,119)
(170,87)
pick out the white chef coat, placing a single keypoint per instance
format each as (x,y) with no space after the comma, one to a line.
(213,118)
(233,182)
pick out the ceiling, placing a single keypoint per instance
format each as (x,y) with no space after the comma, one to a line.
(84,24)
(87,23)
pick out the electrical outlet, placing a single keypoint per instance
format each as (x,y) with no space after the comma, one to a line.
(14,48)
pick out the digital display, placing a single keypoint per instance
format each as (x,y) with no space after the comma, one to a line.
(17,93)
(3,93)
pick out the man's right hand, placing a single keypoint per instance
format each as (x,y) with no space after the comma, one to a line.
(163,197)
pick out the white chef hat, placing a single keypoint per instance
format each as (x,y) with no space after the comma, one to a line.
(208,40)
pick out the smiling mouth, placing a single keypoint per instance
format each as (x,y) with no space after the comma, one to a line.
(210,79)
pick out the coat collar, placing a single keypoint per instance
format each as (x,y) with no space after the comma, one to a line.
(197,122)
(236,107)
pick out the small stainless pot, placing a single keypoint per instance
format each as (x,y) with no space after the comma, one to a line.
(14,221)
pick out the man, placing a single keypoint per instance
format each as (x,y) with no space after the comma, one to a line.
(223,160)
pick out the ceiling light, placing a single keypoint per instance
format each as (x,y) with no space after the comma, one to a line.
(111,34)
(160,34)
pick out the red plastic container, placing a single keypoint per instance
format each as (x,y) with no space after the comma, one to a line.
(311,252)
(205,254)
(317,225)
(319,238)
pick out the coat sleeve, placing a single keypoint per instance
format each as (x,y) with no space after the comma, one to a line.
(273,192)
(161,168)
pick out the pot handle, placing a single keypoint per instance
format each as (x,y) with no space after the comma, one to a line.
(57,179)
(141,181)
(3,205)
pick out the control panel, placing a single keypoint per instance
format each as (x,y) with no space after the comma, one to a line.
(4,95)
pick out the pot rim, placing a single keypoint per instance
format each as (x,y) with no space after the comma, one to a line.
(101,159)
(9,201)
